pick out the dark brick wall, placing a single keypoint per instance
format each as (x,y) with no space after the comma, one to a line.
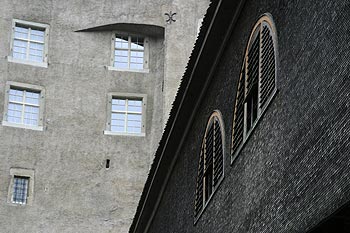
(295,169)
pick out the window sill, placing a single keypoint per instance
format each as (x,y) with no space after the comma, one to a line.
(26,62)
(18,204)
(127,70)
(108,132)
(207,203)
(37,128)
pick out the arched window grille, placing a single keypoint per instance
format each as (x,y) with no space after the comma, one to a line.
(257,83)
(211,163)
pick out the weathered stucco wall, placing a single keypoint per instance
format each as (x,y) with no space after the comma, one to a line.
(73,191)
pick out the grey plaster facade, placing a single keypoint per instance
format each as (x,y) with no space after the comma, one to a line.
(73,190)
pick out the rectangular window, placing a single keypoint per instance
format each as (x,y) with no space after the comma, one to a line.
(126,114)
(23,106)
(29,43)
(20,189)
(130,53)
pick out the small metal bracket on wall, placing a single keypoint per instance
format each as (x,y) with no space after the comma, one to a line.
(170,17)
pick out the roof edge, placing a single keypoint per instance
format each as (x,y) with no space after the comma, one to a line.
(219,11)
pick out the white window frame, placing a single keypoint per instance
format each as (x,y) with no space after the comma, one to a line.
(145,53)
(28,87)
(112,95)
(46,28)
(27,173)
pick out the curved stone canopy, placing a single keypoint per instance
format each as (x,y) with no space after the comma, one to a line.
(144,29)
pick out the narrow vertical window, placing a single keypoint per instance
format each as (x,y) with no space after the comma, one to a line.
(20,189)
(211,164)
(257,83)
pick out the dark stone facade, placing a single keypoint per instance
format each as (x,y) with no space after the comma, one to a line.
(294,171)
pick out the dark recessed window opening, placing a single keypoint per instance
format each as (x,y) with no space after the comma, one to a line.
(208,186)
(211,168)
(257,83)
(107,163)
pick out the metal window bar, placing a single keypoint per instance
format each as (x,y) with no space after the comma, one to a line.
(20,190)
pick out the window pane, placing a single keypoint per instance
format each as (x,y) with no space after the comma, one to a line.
(35,58)
(21,32)
(137,43)
(121,42)
(118,122)
(117,128)
(134,123)
(20,43)
(37,35)
(36,46)
(31,115)
(121,53)
(121,59)
(28,121)
(36,52)
(138,60)
(138,54)
(134,130)
(118,105)
(16,95)
(134,106)
(14,113)
(32,98)
(19,56)
(121,65)
(16,108)
(136,66)
(19,49)
(118,116)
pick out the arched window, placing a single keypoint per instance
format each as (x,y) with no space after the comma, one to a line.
(211,163)
(257,83)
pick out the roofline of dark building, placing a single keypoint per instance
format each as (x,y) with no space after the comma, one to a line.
(217,26)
